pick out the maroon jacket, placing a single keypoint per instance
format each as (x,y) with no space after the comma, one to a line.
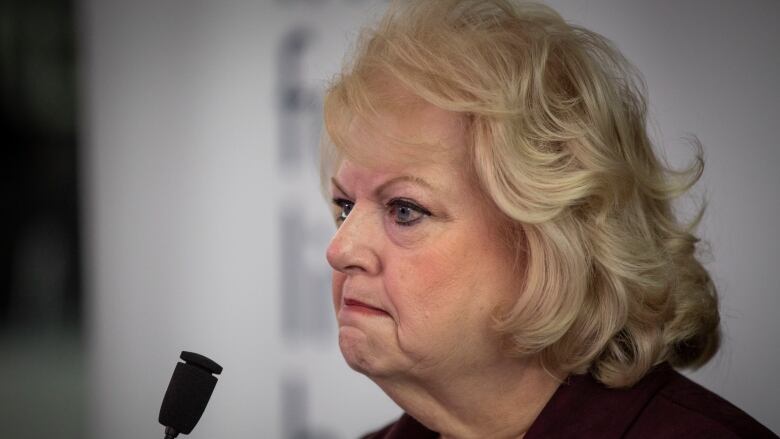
(664,404)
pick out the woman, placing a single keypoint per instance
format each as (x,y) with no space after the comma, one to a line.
(507,263)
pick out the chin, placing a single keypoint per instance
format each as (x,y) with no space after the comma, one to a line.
(360,354)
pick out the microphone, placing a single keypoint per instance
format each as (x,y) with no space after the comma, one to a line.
(188,393)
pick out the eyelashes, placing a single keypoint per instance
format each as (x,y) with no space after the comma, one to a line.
(345,206)
(402,211)
(406,212)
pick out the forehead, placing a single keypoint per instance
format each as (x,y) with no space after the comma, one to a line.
(413,133)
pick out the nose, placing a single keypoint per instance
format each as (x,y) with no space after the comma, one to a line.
(354,247)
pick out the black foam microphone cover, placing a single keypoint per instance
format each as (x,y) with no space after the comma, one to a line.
(189,391)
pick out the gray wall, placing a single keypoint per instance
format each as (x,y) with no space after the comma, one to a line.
(205,230)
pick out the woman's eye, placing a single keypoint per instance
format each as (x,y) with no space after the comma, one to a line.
(345,206)
(406,213)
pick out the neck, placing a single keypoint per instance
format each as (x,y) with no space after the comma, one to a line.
(501,401)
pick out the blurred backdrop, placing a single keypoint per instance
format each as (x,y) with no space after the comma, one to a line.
(42,350)
(160,193)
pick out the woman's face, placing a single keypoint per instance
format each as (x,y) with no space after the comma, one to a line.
(421,259)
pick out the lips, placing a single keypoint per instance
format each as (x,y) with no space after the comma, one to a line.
(356,305)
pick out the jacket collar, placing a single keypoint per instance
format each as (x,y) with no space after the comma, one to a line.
(584,408)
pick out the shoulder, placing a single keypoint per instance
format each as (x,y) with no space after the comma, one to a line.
(663,404)
(683,408)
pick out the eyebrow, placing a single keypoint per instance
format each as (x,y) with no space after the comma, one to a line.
(381,188)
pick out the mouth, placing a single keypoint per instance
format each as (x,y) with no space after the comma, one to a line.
(358,306)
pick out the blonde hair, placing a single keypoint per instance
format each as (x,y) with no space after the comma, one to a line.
(557,119)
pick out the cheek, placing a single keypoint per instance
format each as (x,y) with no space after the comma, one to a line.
(456,279)
(425,283)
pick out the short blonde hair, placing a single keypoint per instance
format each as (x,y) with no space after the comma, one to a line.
(557,118)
